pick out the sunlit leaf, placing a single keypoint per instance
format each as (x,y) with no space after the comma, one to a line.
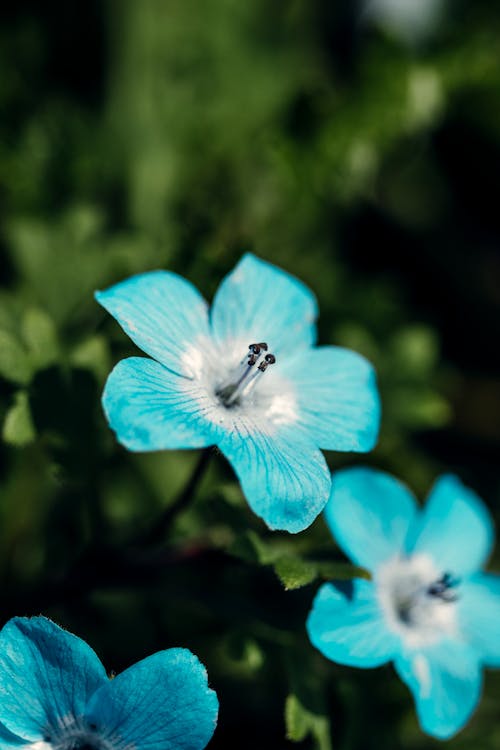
(15,361)
(40,336)
(18,428)
(93,354)
(300,722)
(294,572)
(416,349)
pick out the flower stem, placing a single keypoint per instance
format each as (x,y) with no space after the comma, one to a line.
(158,531)
(101,567)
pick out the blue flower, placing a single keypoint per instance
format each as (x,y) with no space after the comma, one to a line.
(428,607)
(245,377)
(55,695)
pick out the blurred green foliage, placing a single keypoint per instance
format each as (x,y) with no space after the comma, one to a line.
(178,135)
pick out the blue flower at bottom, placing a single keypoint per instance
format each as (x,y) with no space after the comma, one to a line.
(55,695)
(428,607)
(245,377)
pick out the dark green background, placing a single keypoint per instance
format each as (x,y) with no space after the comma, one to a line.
(178,134)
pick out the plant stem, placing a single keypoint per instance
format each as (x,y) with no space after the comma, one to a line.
(101,567)
(158,531)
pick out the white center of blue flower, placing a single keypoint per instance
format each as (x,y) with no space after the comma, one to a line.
(244,395)
(73,734)
(417,599)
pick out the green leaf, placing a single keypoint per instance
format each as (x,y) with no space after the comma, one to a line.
(39,333)
(296,719)
(300,722)
(339,571)
(294,572)
(93,354)
(15,362)
(18,428)
(244,652)
(251,548)
(416,351)
(420,407)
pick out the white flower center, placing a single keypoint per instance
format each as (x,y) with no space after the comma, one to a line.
(235,393)
(418,600)
(76,734)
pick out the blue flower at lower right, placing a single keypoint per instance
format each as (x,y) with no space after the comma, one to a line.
(428,608)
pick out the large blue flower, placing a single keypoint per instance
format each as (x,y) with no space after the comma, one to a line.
(428,607)
(244,377)
(55,695)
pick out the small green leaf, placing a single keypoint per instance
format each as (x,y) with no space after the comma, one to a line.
(245,652)
(296,719)
(294,572)
(39,333)
(416,350)
(300,722)
(93,354)
(339,571)
(420,407)
(18,428)
(251,548)
(15,362)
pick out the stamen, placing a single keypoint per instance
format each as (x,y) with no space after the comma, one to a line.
(417,599)
(269,359)
(241,382)
(442,588)
(413,601)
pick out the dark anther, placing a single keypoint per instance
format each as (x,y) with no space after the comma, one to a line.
(255,351)
(442,588)
(269,359)
(437,589)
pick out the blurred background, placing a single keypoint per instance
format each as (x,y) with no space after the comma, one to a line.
(357,145)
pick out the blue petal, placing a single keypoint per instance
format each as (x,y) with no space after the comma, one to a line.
(151,408)
(338,397)
(9,740)
(284,476)
(347,625)
(259,302)
(161,703)
(369,514)
(455,528)
(162,313)
(46,674)
(479,615)
(446,683)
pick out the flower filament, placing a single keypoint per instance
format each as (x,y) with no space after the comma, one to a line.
(244,378)
(444,588)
